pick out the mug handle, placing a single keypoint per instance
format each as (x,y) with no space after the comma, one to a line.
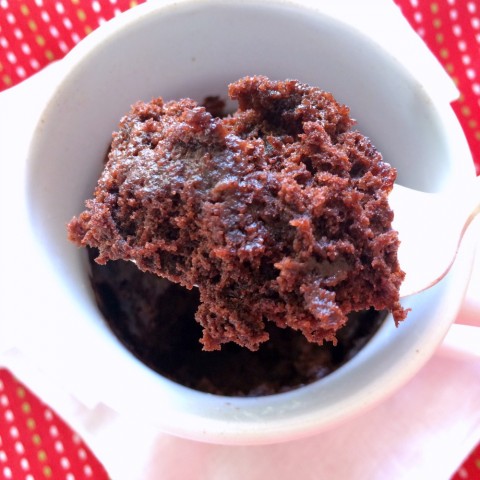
(463,337)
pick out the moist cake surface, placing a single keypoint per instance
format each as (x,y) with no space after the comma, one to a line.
(276,213)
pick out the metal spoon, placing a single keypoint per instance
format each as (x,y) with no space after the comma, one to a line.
(430,228)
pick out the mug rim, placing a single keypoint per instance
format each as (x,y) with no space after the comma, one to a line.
(224,430)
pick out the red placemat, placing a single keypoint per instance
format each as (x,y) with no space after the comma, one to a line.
(451,28)
(34,442)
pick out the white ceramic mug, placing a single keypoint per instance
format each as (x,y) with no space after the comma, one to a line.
(190,48)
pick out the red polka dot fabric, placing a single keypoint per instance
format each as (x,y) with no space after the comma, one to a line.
(470,470)
(35,33)
(34,442)
(451,28)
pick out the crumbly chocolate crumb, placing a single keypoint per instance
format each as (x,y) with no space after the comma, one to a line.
(277,213)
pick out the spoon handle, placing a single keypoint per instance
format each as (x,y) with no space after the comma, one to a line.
(431,227)
(472,203)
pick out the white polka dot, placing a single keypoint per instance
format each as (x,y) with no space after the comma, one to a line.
(476,88)
(471,74)
(3,42)
(53,431)
(4,400)
(65,463)
(3,456)
(63,46)
(76,439)
(453,14)
(418,17)
(113,2)
(34,63)
(75,37)
(26,49)
(11,57)
(19,448)
(18,33)
(59,8)
(67,22)
(7,473)
(414,3)
(451,2)
(475,22)
(4,4)
(10,18)
(14,432)
(472,8)
(466,59)
(421,32)
(48,415)
(54,31)
(117,11)
(9,417)
(96,7)
(24,464)
(39,3)
(457,30)
(462,45)
(462,473)
(21,72)
(87,470)
(59,446)
(70,476)
(101,20)
(29,477)
(45,16)
(82,454)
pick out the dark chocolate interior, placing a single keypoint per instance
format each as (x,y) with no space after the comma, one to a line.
(154,319)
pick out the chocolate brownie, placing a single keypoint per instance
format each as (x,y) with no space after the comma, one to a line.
(276,213)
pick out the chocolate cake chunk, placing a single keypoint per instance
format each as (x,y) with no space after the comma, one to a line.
(154,319)
(277,213)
